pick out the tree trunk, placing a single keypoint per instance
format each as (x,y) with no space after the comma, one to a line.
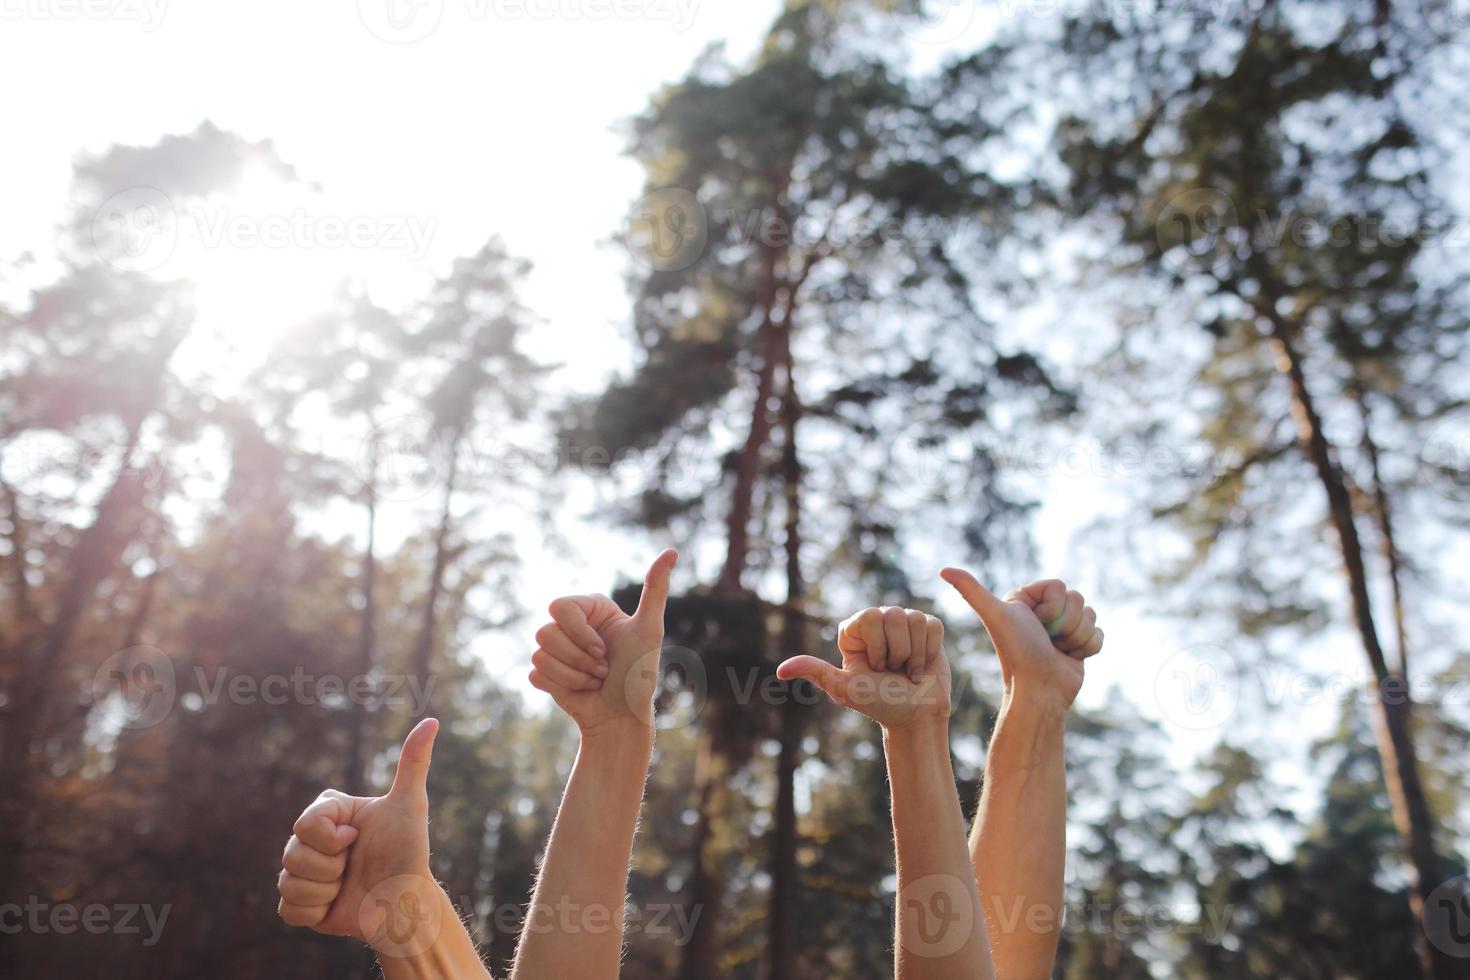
(706,882)
(785,877)
(366,636)
(1392,712)
(423,658)
(98,550)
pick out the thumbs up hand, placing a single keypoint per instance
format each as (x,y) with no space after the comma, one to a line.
(1042,634)
(359,866)
(893,668)
(598,663)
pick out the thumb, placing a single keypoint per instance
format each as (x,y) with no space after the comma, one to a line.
(990,609)
(656,588)
(414,758)
(829,677)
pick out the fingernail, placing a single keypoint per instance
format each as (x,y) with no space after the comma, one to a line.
(598,650)
(596,684)
(600,670)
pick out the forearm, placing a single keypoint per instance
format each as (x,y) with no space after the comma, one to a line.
(574,927)
(1019,841)
(451,954)
(940,931)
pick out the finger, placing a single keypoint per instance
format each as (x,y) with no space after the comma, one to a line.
(564,676)
(541,682)
(1070,619)
(829,677)
(323,825)
(313,865)
(934,642)
(1078,638)
(918,641)
(1094,646)
(655,597)
(297,915)
(850,642)
(870,628)
(990,609)
(571,616)
(1047,599)
(308,894)
(554,640)
(412,776)
(896,632)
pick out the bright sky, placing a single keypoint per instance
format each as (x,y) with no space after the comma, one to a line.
(466,118)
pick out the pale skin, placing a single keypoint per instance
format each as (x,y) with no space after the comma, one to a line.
(359,866)
(894,671)
(601,667)
(1042,633)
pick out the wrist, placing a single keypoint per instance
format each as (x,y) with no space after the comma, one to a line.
(417,916)
(928,731)
(620,740)
(1037,700)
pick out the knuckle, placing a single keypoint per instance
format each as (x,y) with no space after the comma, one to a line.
(893,616)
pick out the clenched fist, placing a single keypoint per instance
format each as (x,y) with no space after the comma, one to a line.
(1042,634)
(893,667)
(598,663)
(359,866)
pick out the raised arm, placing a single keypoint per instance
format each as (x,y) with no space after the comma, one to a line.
(601,667)
(895,672)
(1042,634)
(359,867)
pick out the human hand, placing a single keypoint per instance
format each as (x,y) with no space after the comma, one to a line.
(1042,634)
(598,663)
(893,668)
(359,866)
